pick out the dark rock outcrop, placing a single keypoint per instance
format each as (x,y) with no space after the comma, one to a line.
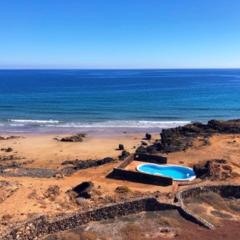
(151,149)
(181,138)
(141,150)
(74,138)
(217,169)
(9,158)
(52,192)
(144,143)
(148,136)
(15,170)
(9,138)
(8,149)
(120,147)
(83,190)
(76,165)
(123,155)
(230,126)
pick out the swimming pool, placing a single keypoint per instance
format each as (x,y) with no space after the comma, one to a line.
(176,172)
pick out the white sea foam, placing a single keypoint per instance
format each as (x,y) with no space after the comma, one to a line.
(30,121)
(121,124)
(17,125)
(144,124)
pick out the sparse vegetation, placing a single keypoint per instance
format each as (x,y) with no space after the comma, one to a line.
(52,192)
(122,189)
(132,231)
(221,214)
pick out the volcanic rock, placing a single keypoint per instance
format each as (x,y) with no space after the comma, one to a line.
(9,138)
(8,149)
(141,150)
(120,147)
(181,138)
(144,143)
(74,138)
(83,190)
(52,192)
(230,126)
(148,136)
(217,169)
(123,155)
(7,189)
(75,165)
(122,190)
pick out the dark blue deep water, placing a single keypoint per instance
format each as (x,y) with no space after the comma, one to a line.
(37,99)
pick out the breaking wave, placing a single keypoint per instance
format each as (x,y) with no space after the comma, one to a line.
(34,121)
(29,123)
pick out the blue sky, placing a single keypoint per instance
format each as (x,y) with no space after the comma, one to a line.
(119,34)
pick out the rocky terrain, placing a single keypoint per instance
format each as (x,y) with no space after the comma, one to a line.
(181,138)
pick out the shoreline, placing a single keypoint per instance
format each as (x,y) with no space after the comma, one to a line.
(110,127)
(99,132)
(42,150)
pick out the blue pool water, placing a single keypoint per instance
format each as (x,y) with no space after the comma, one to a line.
(178,173)
(33,100)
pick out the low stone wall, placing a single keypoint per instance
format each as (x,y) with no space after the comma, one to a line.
(126,162)
(42,226)
(118,173)
(143,158)
(76,165)
(226,191)
(72,167)
(150,158)
(29,172)
(121,173)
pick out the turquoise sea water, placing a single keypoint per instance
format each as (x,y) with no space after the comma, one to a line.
(44,100)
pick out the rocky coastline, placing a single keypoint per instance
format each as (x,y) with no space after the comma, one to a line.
(181,138)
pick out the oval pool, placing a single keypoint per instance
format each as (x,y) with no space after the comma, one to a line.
(176,172)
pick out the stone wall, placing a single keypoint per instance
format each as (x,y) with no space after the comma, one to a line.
(75,165)
(72,167)
(28,172)
(133,176)
(226,191)
(121,173)
(150,158)
(41,226)
(126,162)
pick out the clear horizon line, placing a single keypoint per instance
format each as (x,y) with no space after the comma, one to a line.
(143,68)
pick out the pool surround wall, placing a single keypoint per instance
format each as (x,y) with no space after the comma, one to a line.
(150,158)
(125,174)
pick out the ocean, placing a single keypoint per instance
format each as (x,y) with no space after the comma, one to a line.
(82,100)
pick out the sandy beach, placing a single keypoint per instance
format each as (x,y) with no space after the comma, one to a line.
(43,149)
